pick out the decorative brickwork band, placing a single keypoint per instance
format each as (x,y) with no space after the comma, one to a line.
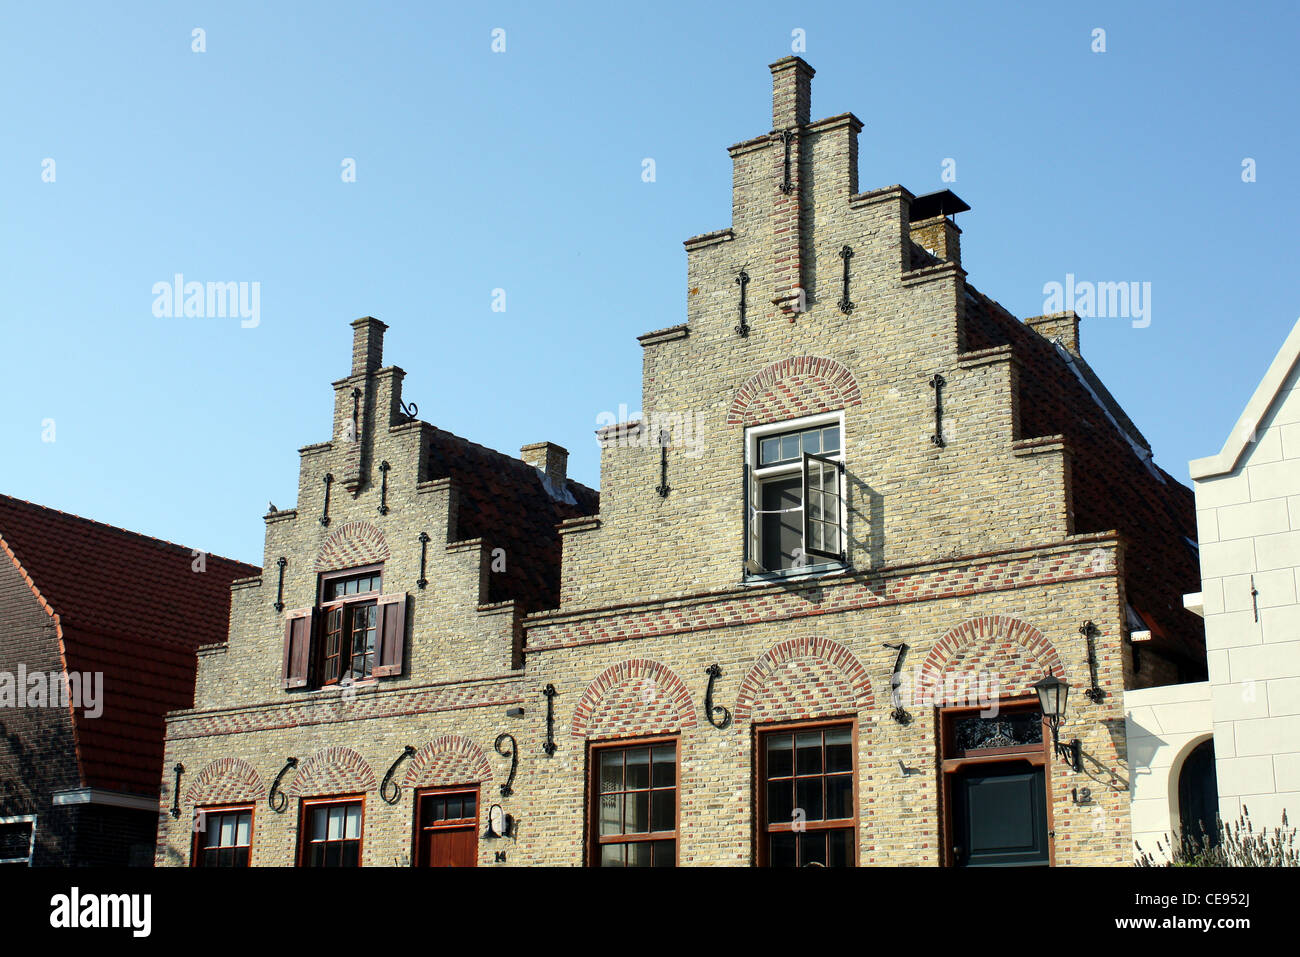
(1010,652)
(332,771)
(634,697)
(800,385)
(225,781)
(350,545)
(447,760)
(804,678)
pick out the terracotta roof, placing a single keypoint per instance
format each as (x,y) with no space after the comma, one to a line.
(128,606)
(1115,484)
(504,501)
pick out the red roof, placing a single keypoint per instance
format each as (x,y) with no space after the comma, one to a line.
(504,501)
(132,608)
(1114,481)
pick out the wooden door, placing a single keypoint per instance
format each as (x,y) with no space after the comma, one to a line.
(446,827)
(1000,816)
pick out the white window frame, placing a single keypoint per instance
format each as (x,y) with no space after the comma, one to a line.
(753,436)
(31,840)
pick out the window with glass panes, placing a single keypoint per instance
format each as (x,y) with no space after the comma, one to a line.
(331,834)
(808,796)
(635,814)
(350,626)
(794,496)
(224,838)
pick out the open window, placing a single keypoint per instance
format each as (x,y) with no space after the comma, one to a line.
(794,496)
(355,632)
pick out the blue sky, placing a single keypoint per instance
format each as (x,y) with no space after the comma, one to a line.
(522,171)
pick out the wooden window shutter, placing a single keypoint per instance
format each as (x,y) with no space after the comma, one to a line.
(392,636)
(299,630)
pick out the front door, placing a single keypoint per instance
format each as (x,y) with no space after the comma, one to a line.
(1000,816)
(447,828)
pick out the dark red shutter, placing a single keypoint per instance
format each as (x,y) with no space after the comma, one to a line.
(299,628)
(392,636)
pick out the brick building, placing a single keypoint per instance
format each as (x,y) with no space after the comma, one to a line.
(98,631)
(846,449)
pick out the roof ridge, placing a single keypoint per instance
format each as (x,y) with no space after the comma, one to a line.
(149,539)
(505,455)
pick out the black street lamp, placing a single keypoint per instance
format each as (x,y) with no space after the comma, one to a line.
(1052,695)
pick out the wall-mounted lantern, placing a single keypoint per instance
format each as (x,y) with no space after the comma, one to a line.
(1052,695)
(499,823)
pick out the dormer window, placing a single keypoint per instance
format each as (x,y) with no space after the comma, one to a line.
(350,608)
(794,491)
(355,633)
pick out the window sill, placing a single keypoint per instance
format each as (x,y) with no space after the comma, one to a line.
(339,690)
(821,570)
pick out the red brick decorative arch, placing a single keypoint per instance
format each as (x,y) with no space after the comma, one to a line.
(804,678)
(225,780)
(636,696)
(350,545)
(1013,651)
(800,385)
(332,771)
(448,759)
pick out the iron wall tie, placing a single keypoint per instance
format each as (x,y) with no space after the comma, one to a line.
(279,588)
(407,752)
(508,789)
(277,800)
(325,515)
(714,671)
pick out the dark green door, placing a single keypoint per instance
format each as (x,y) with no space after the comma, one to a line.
(1000,816)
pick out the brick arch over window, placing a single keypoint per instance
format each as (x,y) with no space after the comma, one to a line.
(448,759)
(225,781)
(804,678)
(634,697)
(332,771)
(1012,650)
(350,545)
(800,385)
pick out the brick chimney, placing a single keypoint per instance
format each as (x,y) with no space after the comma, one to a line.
(791,92)
(931,225)
(940,236)
(549,458)
(1058,325)
(365,403)
(791,108)
(367,345)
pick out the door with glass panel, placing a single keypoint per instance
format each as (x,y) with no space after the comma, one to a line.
(447,828)
(994,766)
(634,812)
(807,795)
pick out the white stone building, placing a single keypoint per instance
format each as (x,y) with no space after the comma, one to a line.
(1248,523)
